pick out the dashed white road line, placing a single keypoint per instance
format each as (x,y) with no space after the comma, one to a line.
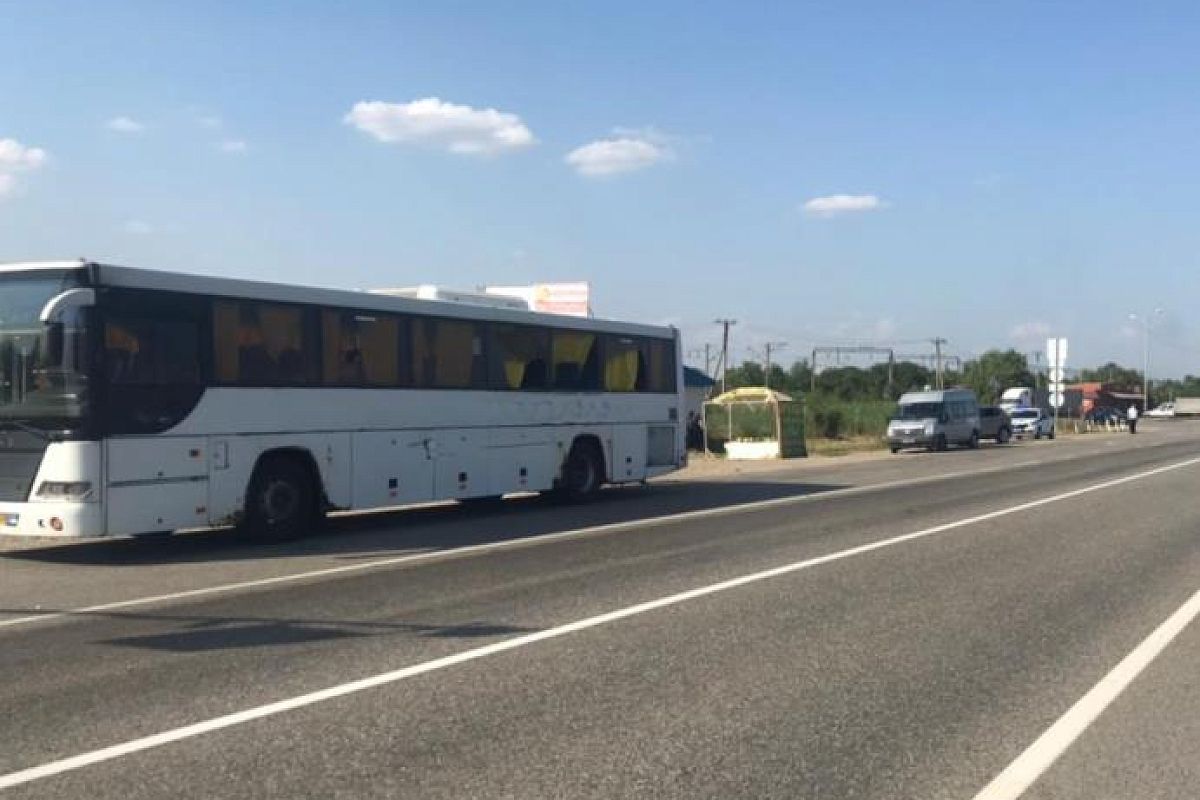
(487,547)
(271,709)
(1039,756)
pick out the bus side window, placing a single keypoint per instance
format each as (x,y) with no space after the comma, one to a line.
(150,352)
(448,354)
(518,357)
(263,344)
(662,376)
(575,360)
(361,348)
(624,364)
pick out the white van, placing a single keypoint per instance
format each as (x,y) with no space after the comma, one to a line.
(935,420)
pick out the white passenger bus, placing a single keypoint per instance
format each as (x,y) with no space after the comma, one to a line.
(136,401)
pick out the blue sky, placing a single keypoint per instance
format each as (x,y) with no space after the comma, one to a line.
(989,172)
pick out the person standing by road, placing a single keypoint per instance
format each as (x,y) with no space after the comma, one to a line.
(1132,416)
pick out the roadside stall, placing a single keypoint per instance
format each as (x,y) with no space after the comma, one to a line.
(755,422)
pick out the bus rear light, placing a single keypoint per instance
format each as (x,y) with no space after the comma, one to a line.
(65,490)
(56,524)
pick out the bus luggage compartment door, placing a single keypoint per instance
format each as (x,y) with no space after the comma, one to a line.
(392,468)
(460,464)
(156,484)
(629,453)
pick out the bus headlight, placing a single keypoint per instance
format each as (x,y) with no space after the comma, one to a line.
(65,490)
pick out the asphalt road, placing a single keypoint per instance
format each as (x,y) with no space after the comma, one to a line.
(897,627)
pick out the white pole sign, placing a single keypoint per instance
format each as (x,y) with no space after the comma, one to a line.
(1056,357)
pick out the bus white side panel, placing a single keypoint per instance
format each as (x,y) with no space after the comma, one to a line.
(156,484)
(392,468)
(628,453)
(159,506)
(232,460)
(523,460)
(156,458)
(460,463)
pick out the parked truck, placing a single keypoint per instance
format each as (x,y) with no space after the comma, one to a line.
(1018,397)
(1187,406)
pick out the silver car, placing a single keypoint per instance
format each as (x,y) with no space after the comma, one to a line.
(934,420)
(1034,422)
(994,423)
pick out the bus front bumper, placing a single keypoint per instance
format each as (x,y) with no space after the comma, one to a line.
(61,520)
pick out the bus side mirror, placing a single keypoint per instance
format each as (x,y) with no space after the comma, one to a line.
(60,304)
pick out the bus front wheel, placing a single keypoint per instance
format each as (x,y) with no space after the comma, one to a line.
(281,502)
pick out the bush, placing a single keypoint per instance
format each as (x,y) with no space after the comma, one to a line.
(830,418)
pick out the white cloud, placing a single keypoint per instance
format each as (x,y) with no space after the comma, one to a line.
(834,204)
(124,125)
(432,122)
(211,121)
(627,151)
(16,158)
(234,146)
(137,227)
(1029,331)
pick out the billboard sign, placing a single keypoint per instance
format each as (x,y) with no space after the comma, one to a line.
(572,299)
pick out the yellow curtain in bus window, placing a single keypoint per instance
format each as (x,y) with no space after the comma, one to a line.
(569,355)
(522,354)
(621,366)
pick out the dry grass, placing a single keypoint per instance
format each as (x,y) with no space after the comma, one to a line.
(842,447)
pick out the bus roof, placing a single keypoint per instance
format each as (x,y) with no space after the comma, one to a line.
(134,278)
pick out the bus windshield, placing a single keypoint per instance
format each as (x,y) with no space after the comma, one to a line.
(43,381)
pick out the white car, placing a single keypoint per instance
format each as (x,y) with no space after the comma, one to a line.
(1165,410)
(1033,422)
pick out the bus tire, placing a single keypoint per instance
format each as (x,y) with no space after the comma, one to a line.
(583,472)
(281,500)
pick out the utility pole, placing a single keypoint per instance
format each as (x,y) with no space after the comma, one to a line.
(1147,321)
(725,325)
(707,359)
(769,346)
(937,355)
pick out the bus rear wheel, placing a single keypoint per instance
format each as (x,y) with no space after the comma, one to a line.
(281,502)
(583,472)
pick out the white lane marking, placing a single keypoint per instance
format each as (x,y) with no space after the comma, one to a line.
(1039,756)
(475,549)
(271,709)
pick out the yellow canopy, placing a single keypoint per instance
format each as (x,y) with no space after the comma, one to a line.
(752,394)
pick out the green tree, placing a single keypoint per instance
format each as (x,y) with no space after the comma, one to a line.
(1115,374)
(800,376)
(748,373)
(910,377)
(994,371)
